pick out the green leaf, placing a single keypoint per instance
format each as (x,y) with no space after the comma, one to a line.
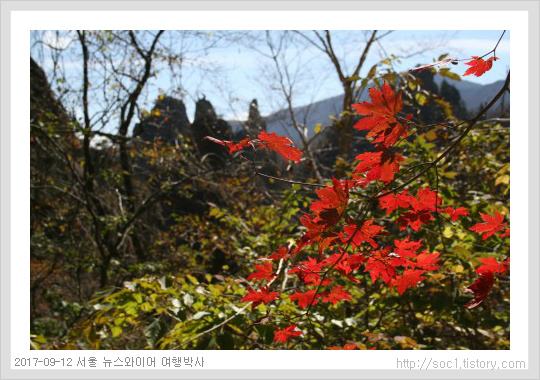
(153,331)
(116,331)
(266,332)
(225,341)
(138,297)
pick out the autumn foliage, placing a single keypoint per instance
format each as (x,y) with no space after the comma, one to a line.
(388,227)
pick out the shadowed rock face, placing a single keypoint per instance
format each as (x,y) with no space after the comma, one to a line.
(166,122)
(207,123)
(44,107)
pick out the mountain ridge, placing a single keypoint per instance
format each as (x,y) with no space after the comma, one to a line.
(472,94)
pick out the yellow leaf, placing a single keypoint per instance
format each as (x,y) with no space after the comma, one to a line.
(421,99)
(431,135)
(372,72)
(445,72)
(458,268)
(448,233)
(318,128)
(450,175)
(192,279)
(504,179)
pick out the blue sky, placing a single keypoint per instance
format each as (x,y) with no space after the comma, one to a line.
(240,73)
(243,69)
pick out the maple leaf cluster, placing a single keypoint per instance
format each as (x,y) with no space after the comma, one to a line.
(279,144)
(263,295)
(420,209)
(329,228)
(286,333)
(400,266)
(352,245)
(383,126)
(492,225)
(326,213)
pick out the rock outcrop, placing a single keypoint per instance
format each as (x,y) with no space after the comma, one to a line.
(207,123)
(254,124)
(165,123)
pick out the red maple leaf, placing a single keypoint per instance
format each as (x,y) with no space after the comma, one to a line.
(281,145)
(478,66)
(259,296)
(365,233)
(309,272)
(455,213)
(380,165)
(489,264)
(421,207)
(414,219)
(263,272)
(407,249)
(391,202)
(346,264)
(332,204)
(427,261)
(354,261)
(305,299)
(286,333)
(282,253)
(319,231)
(425,200)
(348,346)
(381,264)
(233,147)
(327,213)
(505,233)
(481,288)
(492,224)
(336,294)
(408,279)
(380,120)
